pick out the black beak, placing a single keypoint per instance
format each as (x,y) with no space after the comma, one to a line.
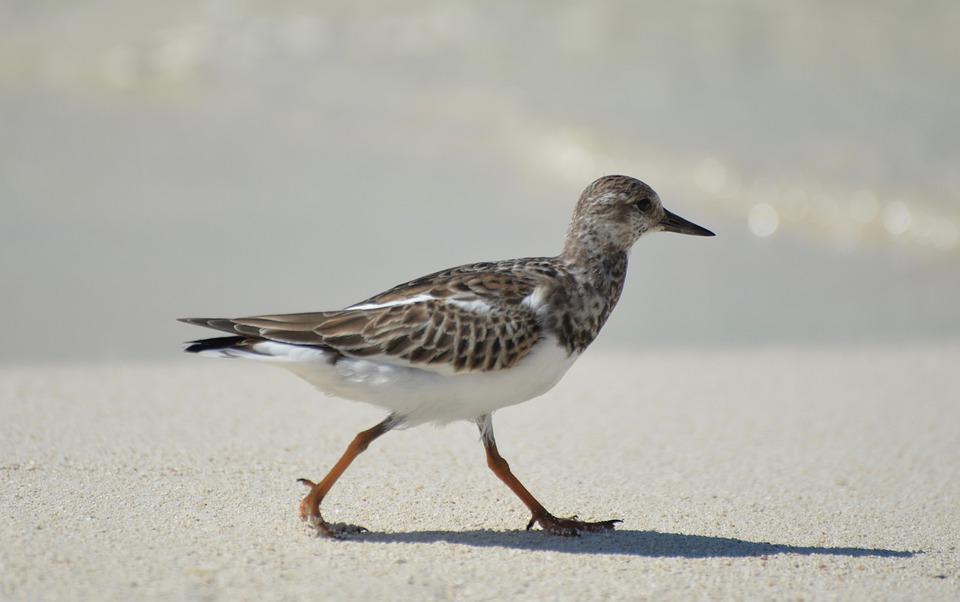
(672,222)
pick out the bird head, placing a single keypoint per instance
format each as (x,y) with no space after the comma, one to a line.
(614,211)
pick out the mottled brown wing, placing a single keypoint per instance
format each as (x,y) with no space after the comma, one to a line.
(471,317)
(467,319)
(504,283)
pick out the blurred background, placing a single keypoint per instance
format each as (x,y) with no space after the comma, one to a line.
(218,157)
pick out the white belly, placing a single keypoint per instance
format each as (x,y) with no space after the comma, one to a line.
(429,395)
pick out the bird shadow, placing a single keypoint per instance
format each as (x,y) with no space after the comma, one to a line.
(627,543)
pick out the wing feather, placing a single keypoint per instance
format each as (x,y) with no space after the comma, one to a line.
(469,318)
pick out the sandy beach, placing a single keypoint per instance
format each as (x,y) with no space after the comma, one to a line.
(778,473)
(774,413)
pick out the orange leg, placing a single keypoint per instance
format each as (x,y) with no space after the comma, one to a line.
(310,505)
(547,521)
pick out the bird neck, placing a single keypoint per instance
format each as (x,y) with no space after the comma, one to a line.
(599,281)
(591,253)
(587,244)
(602,273)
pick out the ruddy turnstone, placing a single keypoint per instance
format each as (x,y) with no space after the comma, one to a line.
(461,343)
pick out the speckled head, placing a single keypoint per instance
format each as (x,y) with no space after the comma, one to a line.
(614,211)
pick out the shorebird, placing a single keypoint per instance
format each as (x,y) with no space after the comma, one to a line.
(461,343)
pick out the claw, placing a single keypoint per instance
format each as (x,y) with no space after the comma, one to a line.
(337,530)
(346,529)
(570,527)
(322,528)
(310,514)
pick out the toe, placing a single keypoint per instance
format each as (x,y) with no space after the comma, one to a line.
(606,525)
(569,527)
(564,529)
(346,529)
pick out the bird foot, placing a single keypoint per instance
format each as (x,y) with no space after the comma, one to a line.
(310,514)
(569,527)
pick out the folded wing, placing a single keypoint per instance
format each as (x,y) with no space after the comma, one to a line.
(471,321)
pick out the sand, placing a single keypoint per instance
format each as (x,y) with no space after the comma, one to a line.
(770,473)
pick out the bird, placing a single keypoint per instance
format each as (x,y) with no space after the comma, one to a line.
(462,343)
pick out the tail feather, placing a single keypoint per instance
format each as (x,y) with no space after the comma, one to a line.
(217,324)
(251,346)
(213,344)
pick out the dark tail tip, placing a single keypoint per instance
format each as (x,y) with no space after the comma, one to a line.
(213,343)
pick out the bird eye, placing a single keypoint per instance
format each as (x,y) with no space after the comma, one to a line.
(643,205)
